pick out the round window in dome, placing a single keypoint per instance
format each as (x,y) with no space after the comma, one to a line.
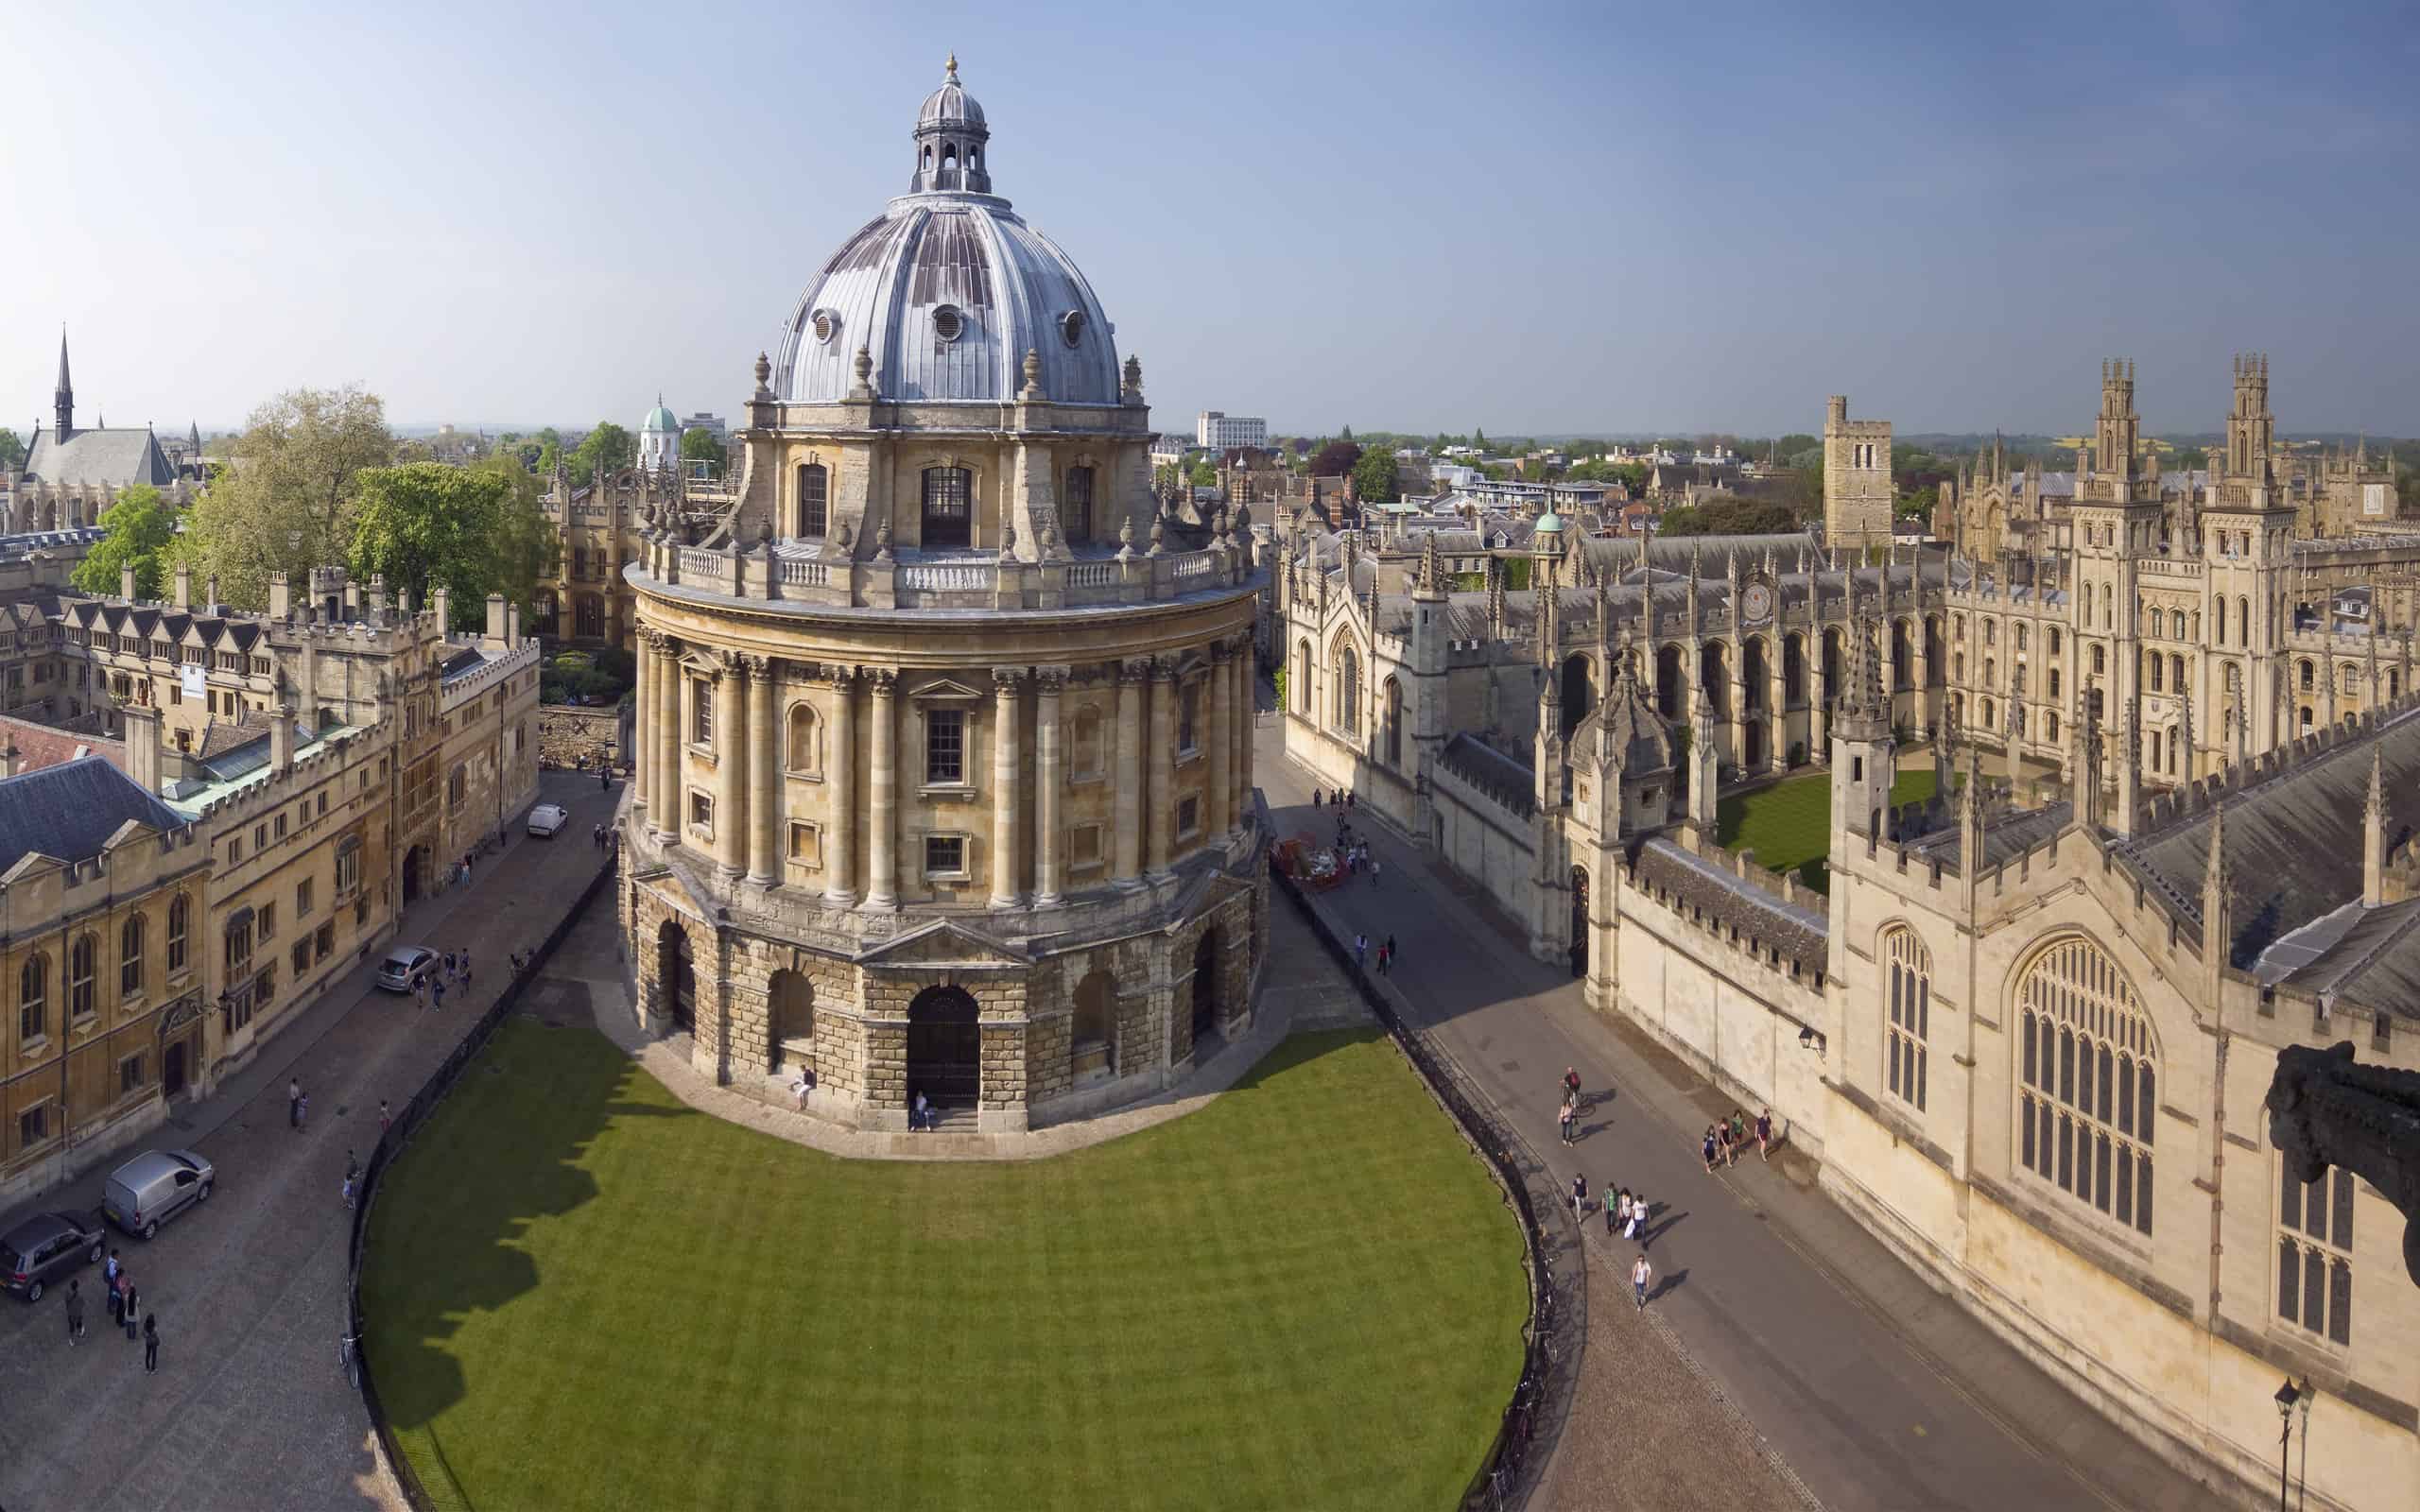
(826,325)
(1071,327)
(949,324)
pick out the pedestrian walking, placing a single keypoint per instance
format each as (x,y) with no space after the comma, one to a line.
(437,997)
(1709,1149)
(1361,952)
(131,1297)
(116,1286)
(385,1117)
(1374,873)
(1636,1226)
(420,991)
(1382,958)
(1738,1134)
(604,778)
(1722,1141)
(293,1102)
(1392,953)
(1611,1227)
(1640,1274)
(302,1110)
(1765,1134)
(1563,1119)
(466,970)
(74,1312)
(348,1192)
(151,1345)
(1316,797)
(1579,1200)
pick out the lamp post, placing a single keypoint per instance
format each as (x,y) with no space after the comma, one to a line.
(2286,1396)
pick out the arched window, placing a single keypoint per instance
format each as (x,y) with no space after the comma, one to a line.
(2159,668)
(33,997)
(129,956)
(1911,970)
(2099,662)
(1303,678)
(2050,682)
(813,501)
(791,997)
(2089,1069)
(1075,505)
(949,518)
(2176,624)
(2055,640)
(180,929)
(2050,726)
(2243,621)
(2315,1252)
(2352,677)
(804,747)
(2218,620)
(2305,668)
(1392,728)
(81,958)
(1347,716)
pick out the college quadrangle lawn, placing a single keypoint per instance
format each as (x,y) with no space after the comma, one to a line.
(1788,824)
(581,1293)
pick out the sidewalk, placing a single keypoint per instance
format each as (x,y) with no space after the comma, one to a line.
(249,1408)
(1849,1381)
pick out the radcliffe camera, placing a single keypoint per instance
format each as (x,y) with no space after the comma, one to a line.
(1495,764)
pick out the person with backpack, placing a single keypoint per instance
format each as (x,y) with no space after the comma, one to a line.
(1579,1200)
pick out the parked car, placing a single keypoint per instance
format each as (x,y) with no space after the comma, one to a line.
(546,818)
(154,1186)
(43,1248)
(405,966)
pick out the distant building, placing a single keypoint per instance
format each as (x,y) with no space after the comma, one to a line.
(1216,430)
(713,425)
(659,439)
(1169,449)
(71,475)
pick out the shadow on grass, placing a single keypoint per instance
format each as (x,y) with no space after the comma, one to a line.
(500,1154)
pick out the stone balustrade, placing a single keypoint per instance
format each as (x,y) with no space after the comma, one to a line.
(964,583)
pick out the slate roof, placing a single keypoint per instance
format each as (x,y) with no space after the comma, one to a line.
(1796,931)
(1507,780)
(116,457)
(69,812)
(2294,847)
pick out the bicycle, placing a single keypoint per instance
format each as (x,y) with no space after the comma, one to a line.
(349,1356)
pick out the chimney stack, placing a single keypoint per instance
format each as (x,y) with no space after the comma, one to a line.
(495,620)
(184,585)
(126,582)
(11,759)
(143,747)
(512,625)
(441,601)
(281,597)
(281,740)
(211,590)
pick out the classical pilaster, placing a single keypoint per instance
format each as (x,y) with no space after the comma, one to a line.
(1214,695)
(1005,777)
(1050,781)
(1239,769)
(882,810)
(642,754)
(730,765)
(1129,771)
(670,801)
(1162,829)
(763,776)
(839,772)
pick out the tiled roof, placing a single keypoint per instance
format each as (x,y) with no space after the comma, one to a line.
(39,746)
(68,811)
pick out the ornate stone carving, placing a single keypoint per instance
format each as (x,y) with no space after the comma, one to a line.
(760,667)
(880,679)
(1005,680)
(1049,681)
(1135,671)
(2325,1109)
(840,674)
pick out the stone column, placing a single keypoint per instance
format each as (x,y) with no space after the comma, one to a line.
(1050,781)
(642,751)
(763,776)
(1776,706)
(730,765)
(1162,827)
(882,806)
(1215,695)
(670,799)
(839,769)
(1129,772)
(1005,892)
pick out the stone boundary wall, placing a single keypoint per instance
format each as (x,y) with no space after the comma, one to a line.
(569,737)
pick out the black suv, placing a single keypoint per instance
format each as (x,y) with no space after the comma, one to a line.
(43,1247)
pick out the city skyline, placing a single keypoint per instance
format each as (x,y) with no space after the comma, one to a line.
(1689,230)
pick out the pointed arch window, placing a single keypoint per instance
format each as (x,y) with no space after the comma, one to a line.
(1907,1052)
(1347,716)
(2088,1072)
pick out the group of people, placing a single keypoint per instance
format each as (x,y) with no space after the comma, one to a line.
(124,1304)
(454,970)
(1352,855)
(1626,1211)
(1726,1137)
(1386,954)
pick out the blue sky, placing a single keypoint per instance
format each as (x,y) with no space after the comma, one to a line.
(1584,217)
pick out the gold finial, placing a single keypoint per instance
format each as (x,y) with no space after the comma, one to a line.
(953,63)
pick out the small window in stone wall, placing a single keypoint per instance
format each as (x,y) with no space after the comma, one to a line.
(702,813)
(806,845)
(1189,816)
(945,855)
(1084,847)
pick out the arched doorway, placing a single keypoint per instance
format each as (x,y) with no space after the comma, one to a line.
(172,1070)
(1668,682)
(415,873)
(1714,678)
(1753,733)
(676,976)
(791,1001)
(1092,1038)
(1205,985)
(944,1047)
(1578,695)
(1579,920)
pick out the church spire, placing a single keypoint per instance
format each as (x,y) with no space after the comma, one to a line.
(62,398)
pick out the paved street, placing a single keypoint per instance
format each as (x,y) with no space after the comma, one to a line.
(1846,1379)
(249,1408)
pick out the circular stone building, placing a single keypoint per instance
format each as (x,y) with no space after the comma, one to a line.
(943,748)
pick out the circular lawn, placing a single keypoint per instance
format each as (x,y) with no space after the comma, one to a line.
(580,1293)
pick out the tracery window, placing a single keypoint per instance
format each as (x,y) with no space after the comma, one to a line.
(1348,691)
(2088,1069)
(2315,1252)
(1910,966)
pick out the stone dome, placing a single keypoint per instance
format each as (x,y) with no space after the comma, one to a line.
(660,419)
(946,291)
(1629,727)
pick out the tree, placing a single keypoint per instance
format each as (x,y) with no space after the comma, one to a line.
(12,451)
(285,502)
(1479,437)
(1335,459)
(698,444)
(140,526)
(426,525)
(524,546)
(608,448)
(1204,475)
(1374,476)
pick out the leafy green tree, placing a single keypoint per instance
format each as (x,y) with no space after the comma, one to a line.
(285,502)
(1204,475)
(1374,476)
(140,526)
(1335,460)
(698,444)
(12,451)
(524,546)
(609,449)
(426,525)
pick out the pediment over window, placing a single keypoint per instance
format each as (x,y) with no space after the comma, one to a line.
(946,690)
(945,943)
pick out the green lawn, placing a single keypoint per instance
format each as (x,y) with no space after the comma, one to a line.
(580,1293)
(1788,824)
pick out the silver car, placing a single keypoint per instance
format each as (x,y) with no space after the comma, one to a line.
(154,1186)
(405,966)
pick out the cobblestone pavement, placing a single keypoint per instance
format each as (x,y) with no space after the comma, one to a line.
(250,1409)
(1872,1387)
